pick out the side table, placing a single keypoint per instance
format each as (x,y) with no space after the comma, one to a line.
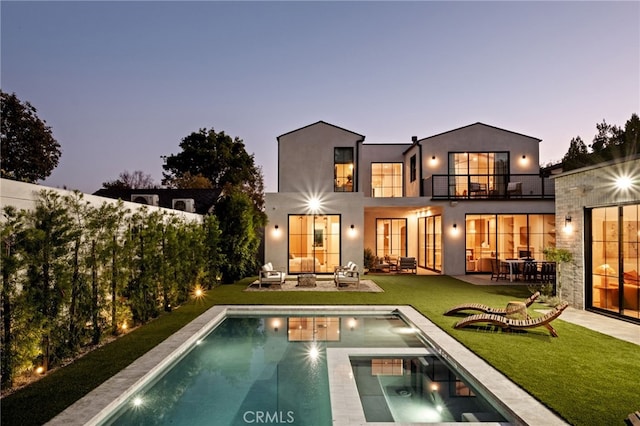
(517,310)
(306,280)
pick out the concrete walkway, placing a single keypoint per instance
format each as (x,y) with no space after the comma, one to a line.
(613,327)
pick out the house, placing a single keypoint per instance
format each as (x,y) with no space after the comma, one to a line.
(598,210)
(453,201)
(200,201)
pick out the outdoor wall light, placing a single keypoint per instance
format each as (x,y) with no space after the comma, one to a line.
(353,226)
(455,226)
(276,227)
(624,182)
(433,157)
(567,224)
(524,157)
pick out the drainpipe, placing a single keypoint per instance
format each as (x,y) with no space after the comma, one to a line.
(415,141)
(421,183)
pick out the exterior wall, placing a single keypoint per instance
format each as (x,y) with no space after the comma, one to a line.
(305,157)
(280,205)
(23,195)
(576,190)
(377,153)
(412,189)
(480,137)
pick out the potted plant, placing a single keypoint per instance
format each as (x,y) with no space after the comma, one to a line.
(369,260)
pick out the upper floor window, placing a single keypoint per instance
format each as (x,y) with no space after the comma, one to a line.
(386,179)
(478,173)
(343,169)
(413,168)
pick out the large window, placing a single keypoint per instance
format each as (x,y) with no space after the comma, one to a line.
(343,169)
(615,261)
(505,236)
(478,174)
(314,243)
(386,179)
(391,237)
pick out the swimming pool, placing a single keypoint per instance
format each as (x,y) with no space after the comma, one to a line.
(304,366)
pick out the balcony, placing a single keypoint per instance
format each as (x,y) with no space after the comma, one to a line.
(492,187)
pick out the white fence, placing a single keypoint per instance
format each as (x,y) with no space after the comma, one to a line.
(24,195)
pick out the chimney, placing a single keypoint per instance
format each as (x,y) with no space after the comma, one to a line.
(414,139)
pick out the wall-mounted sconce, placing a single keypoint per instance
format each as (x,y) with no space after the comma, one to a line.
(433,158)
(624,182)
(567,224)
(455,226)
(353,226)
(276,227)
(352,230)
(524,157)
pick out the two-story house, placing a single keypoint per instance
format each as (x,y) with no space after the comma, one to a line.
(454,201)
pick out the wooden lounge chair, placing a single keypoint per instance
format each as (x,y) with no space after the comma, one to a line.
(488,309)
(516,324)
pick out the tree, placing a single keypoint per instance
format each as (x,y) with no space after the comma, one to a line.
(609,143)
(189,181)
(29,151)
(239,227)
(136,180)
(219,158)
(577,154)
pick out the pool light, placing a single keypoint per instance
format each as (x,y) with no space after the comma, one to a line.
(137,401)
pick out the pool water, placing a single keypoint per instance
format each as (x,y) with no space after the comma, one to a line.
(272,370)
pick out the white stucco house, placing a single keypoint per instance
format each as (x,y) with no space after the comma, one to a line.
(453,201)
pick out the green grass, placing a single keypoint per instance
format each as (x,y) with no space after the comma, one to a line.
(586,377)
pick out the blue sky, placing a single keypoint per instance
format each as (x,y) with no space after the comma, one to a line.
(121,83)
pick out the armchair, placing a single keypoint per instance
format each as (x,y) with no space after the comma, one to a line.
(346,277)
(270,276)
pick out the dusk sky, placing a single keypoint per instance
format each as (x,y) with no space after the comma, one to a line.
(121,83)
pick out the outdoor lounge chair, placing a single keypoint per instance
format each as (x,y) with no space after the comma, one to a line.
(516,324)
(488,309)
(346,277)
(270,276)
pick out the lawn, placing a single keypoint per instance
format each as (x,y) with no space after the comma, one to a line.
(585,377)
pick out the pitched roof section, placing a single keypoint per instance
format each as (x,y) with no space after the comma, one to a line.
(480,124)
(326,124)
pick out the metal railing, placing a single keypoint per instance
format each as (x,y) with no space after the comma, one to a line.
(494,187)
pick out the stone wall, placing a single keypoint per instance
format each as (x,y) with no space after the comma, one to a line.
(576,190)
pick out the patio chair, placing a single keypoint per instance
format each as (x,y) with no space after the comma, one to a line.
(488,309)
(497,271)
(343,278)
(270,276)
(516,324)
(408,264)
